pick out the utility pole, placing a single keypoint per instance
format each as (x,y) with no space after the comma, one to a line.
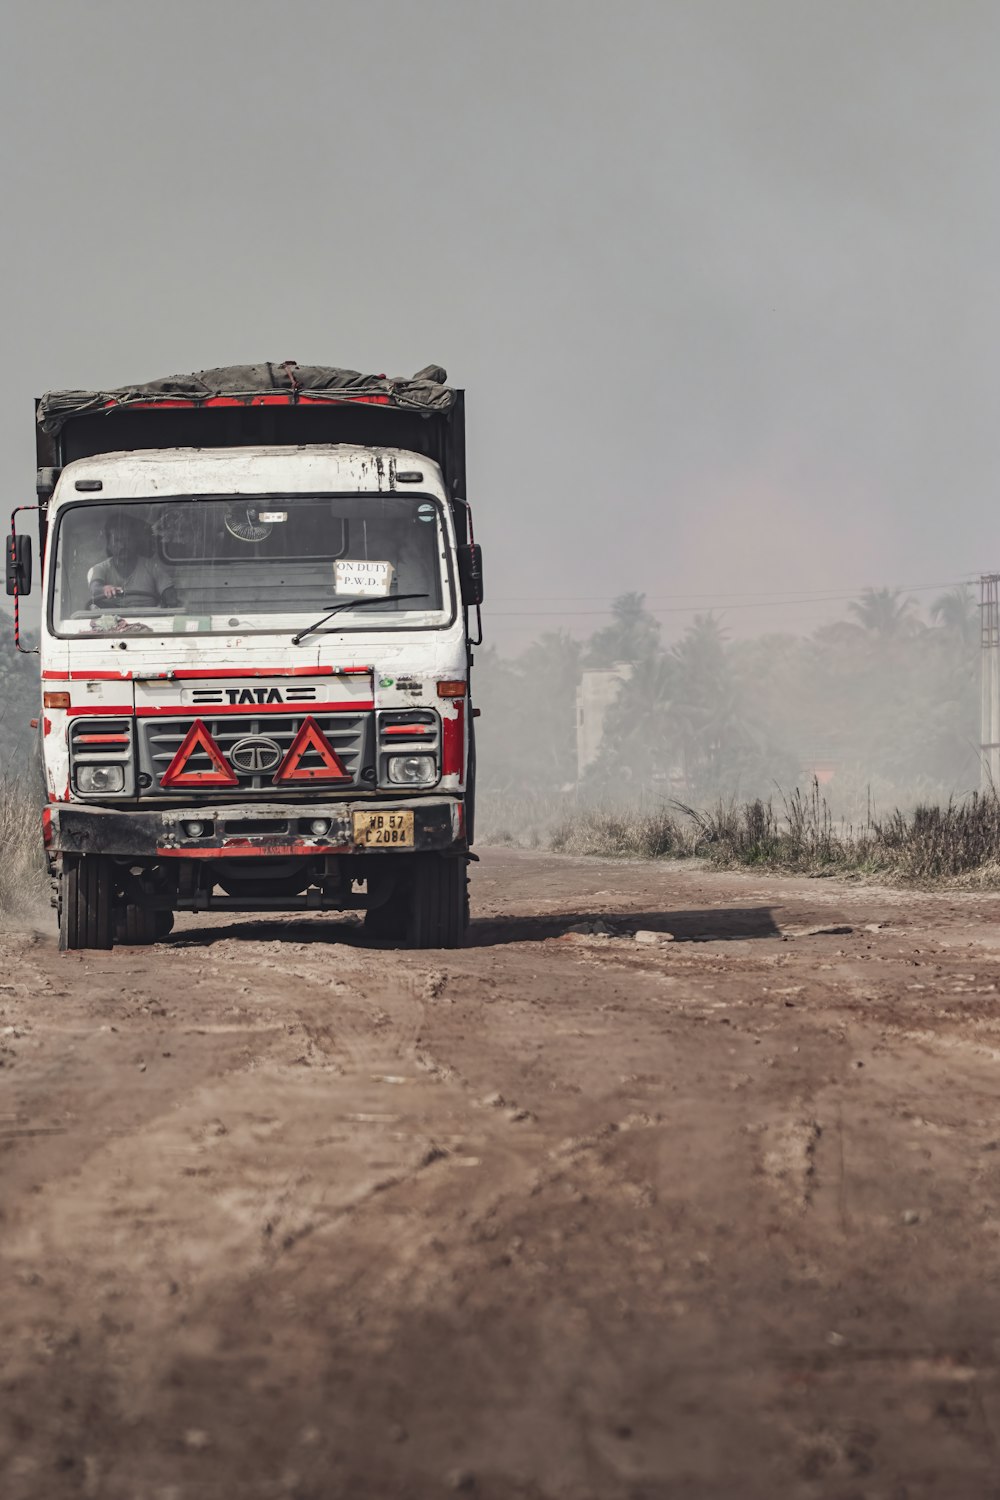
(989,609)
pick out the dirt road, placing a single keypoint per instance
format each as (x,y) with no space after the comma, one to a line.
(285,1215)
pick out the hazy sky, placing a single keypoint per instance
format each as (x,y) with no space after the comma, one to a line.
(719,276)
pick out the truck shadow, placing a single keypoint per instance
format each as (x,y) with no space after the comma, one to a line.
(323,927)
(712,925)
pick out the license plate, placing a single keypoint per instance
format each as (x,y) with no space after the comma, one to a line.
(387,830)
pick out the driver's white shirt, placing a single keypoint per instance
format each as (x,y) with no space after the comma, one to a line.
(146,577)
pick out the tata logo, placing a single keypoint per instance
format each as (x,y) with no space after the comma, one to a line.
(294,693)
(254,695)
(255,753)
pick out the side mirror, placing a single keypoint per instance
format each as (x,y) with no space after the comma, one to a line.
(19,565)
(470,572)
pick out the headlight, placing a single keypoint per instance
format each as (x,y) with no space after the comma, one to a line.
(100,778)
(412,770)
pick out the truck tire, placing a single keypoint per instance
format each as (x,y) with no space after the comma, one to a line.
(389,883)
(86,888)
(439,902)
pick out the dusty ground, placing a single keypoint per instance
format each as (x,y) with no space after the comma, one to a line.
(286,1216)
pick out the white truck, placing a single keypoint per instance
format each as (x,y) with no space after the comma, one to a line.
(258,591)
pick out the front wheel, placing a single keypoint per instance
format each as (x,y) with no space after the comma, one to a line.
(86,892)
(439,902)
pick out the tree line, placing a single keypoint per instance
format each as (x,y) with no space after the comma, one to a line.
(882,704)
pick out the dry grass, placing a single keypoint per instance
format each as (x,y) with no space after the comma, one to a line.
(958,839)
(956,842)
(24,883)
(644,834)
(538,822)
(524,821)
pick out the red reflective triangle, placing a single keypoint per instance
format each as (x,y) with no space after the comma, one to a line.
(198,738)
(311,737)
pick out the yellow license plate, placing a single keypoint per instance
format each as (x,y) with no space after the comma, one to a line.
(387,830)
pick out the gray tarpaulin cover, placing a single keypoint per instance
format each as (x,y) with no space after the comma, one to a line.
(425,391)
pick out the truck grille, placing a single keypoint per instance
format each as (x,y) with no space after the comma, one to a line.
(348,734)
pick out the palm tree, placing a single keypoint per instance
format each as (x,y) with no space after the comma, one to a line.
(633,635)
(884,614)
(705,707)
(957,613)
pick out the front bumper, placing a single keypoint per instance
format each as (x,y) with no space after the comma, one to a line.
(246,830)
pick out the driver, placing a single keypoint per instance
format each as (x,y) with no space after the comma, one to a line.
(128,571)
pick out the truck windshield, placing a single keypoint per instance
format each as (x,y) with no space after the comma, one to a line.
(269,563)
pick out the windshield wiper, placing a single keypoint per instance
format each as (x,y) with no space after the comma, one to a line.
(358,603)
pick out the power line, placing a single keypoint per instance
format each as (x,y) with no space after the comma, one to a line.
(835,591)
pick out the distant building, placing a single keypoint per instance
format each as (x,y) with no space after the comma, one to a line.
(596,693)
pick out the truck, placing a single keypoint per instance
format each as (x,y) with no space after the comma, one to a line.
(260,598)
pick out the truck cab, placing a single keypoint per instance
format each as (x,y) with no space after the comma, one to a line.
(255,656)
